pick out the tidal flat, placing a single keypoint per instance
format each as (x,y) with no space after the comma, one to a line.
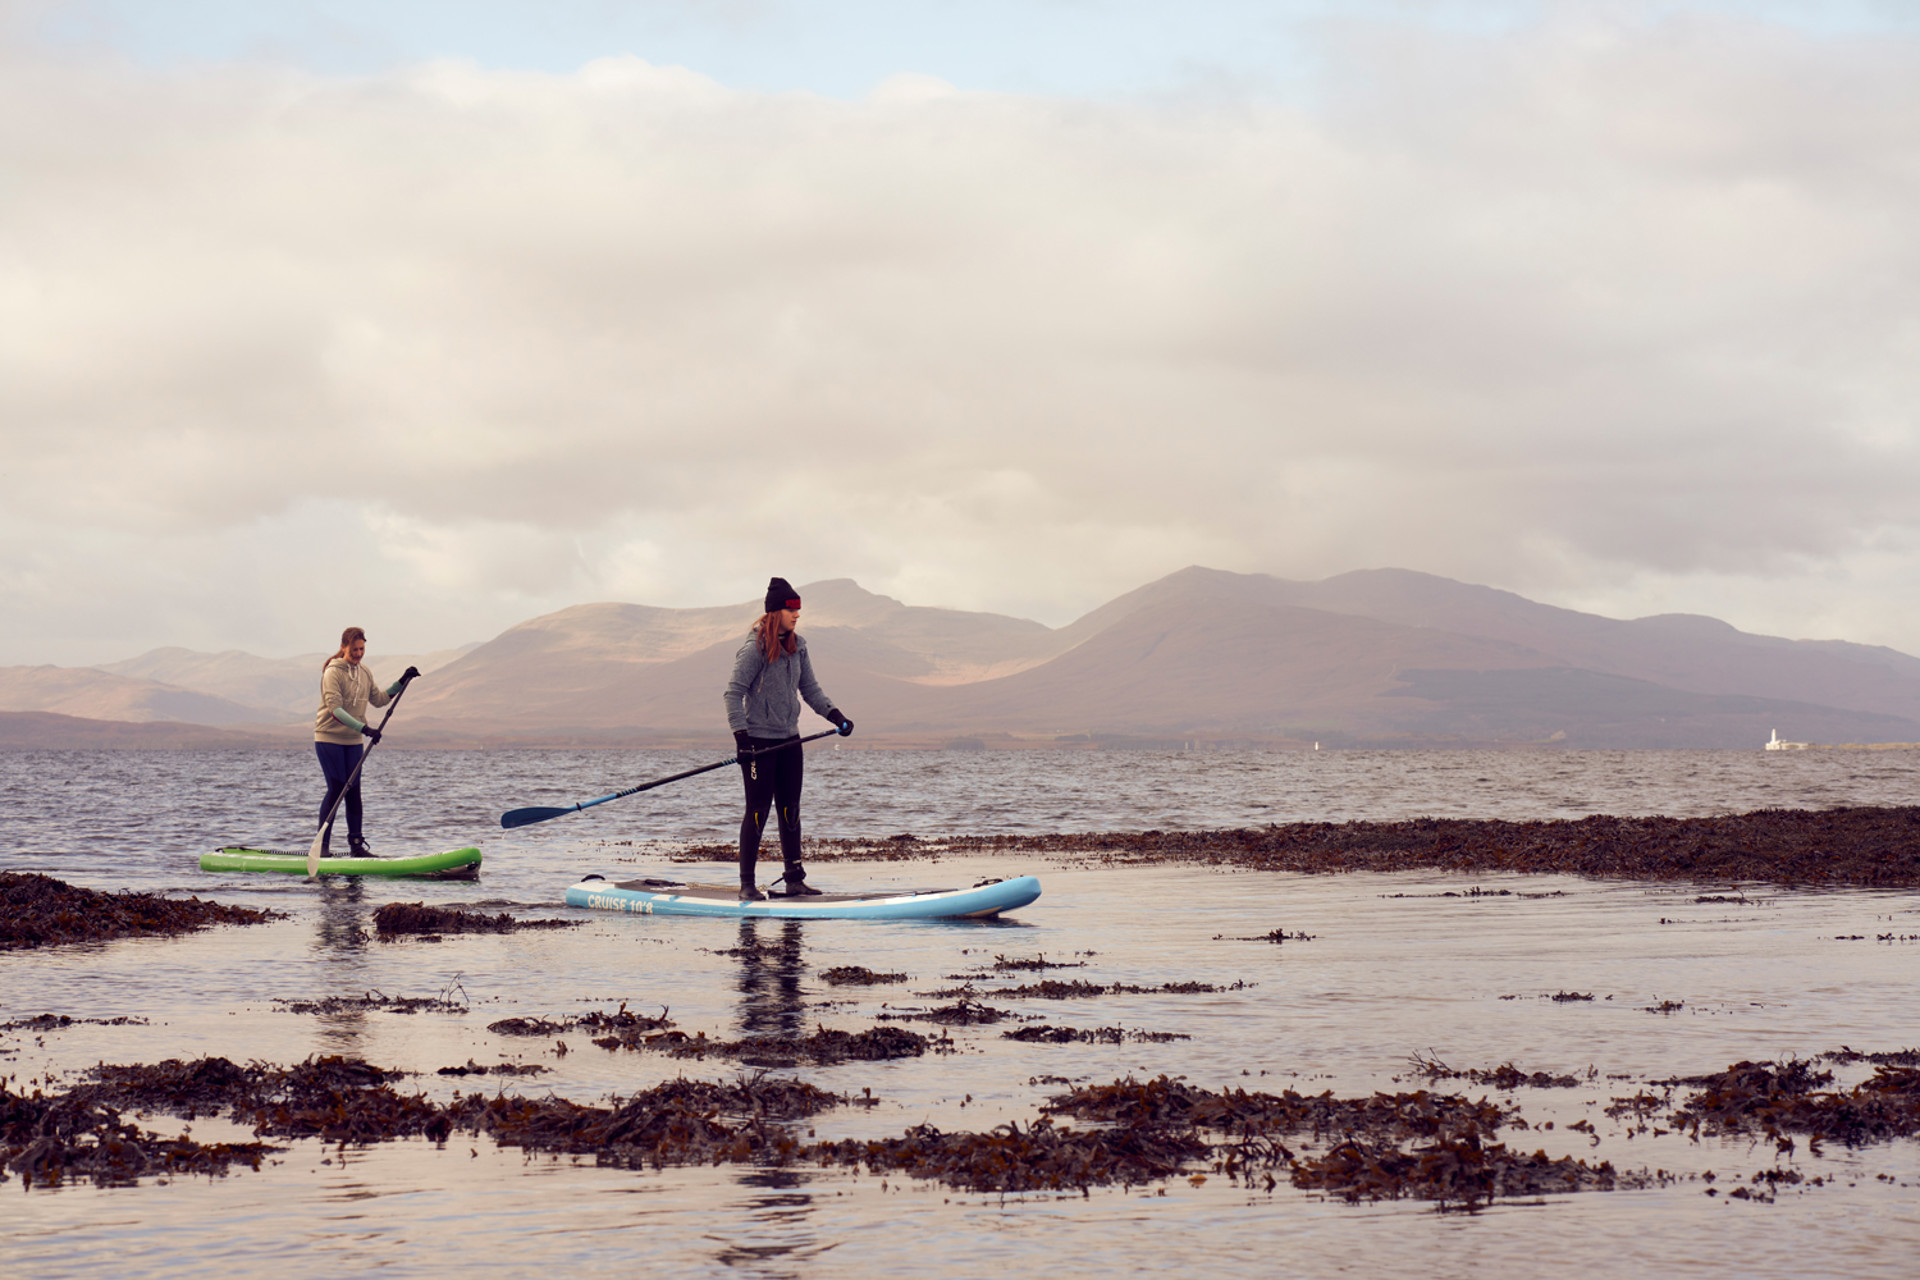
(1163,1061)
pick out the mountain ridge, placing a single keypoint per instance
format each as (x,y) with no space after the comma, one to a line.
(1374,657)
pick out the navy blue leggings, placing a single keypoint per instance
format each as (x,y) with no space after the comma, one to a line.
(337,762)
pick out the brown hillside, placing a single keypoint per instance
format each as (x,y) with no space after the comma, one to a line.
(91,693)
(1381,657)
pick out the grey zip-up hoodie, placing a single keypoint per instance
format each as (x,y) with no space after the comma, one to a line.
(764,697)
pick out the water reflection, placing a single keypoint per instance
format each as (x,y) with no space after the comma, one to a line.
(778,1230)
(343,916)
(771,962)
(773,1004)
(341,939)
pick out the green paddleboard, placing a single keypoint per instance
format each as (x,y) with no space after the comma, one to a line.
(455,864)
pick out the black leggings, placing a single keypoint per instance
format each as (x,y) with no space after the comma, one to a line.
(773,778)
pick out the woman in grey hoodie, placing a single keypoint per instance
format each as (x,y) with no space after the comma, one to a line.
(771,674)
(346,687)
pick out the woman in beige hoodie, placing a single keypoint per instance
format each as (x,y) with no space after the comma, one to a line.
(346,687)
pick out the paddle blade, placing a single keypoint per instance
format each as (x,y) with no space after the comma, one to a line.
(526,817)
(313,854)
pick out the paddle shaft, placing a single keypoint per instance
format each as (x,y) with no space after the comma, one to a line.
(326,825)
(526,817)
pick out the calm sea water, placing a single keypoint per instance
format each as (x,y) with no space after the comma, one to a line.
(1397,966)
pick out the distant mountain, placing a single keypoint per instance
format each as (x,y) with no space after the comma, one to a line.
(46,731)
(659,672)
(1381,657)
(1681,650)
(286,685)
(182,686)
(1374,658)
(92,693)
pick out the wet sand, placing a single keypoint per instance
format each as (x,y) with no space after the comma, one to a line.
(1111,1053)
(1426,1145)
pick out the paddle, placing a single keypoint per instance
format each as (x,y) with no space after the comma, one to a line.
(526,817)
(313,854)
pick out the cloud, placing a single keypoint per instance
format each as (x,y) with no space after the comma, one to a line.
(1596,310)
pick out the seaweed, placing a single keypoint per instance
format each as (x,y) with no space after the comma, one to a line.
(1007,1159)
(962,1013)
(1506,1076)
(823,1047)
(1044,1034)
(1015,964)
(399,918)
(1457,1167)
(373,1000)
(46,1142)
(1054,989)
(856,975)
(39,911)
(1777,1099)
(1418,1145)
(1863,845)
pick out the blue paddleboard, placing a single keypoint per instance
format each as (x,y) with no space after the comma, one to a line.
(670,898)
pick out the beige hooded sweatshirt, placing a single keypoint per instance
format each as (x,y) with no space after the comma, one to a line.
(350,688)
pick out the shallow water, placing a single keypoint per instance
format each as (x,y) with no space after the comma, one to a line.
(1394,968)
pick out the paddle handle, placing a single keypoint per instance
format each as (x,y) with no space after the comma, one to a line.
(705,768)
(527,817)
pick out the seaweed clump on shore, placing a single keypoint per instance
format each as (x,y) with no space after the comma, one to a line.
(1044,1034)
(1419,1145)
(859,975)
(1780,1099)
(333,1097)
(49,1141)
(678,1122)
(1506,1076)
(624,1028)
(1373,1156)
(80,1134)
(961,1013)
(398,918)
(1851,846)
(39,911)
(824,1047)
(1459,1167)
(1041,1157)
(1077,989)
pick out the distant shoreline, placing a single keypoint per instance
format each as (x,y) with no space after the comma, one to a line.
(52,731)
(1845,746)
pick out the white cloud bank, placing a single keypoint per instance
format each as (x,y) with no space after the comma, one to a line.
(1624,315)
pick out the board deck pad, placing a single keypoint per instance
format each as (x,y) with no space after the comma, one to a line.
(674,898)
(454,864)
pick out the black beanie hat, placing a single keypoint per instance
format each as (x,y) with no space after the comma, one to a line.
(781,595)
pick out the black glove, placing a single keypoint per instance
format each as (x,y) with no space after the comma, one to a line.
(411,673)
(373,734)
(742,743)
(840,721)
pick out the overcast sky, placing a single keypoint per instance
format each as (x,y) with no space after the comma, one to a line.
(433,317)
